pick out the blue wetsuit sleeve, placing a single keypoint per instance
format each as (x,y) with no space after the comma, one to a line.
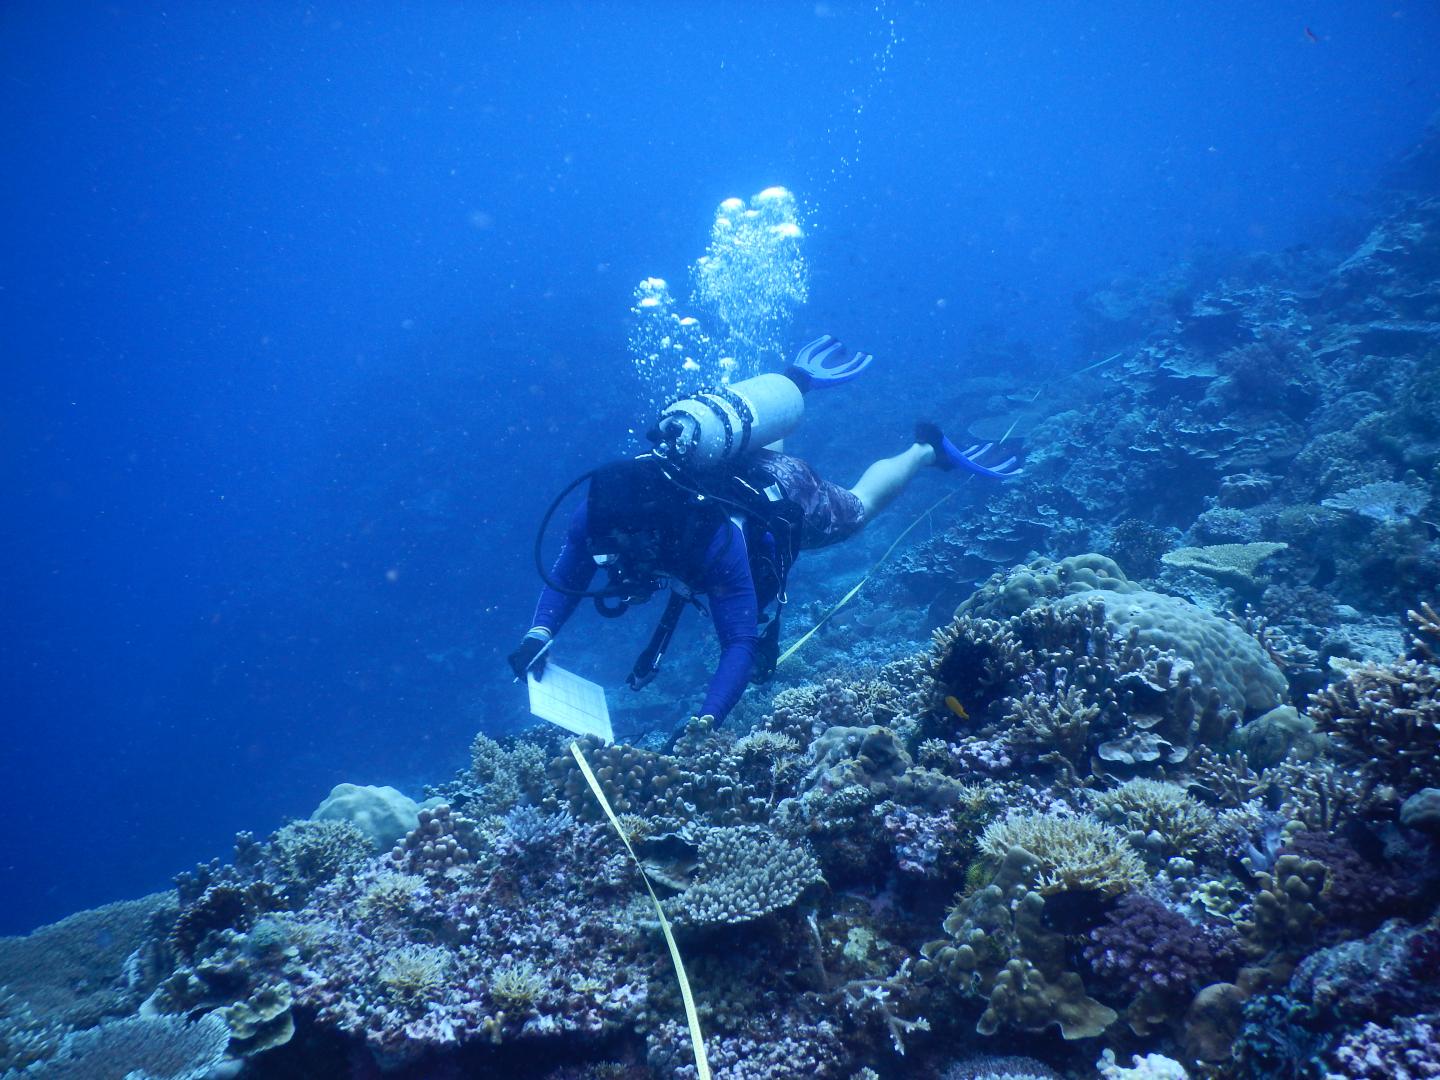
(731,588)
(574,569)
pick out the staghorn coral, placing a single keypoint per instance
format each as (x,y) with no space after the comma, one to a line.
(1047,721)
(1073,853)
(1388,718)
(1317,794)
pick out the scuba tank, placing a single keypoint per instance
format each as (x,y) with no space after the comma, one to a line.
(717,424)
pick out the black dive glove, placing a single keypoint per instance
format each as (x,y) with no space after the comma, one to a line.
(528,657)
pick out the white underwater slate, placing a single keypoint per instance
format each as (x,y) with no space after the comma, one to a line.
(575,704)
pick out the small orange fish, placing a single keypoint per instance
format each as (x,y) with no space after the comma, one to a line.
(953,704)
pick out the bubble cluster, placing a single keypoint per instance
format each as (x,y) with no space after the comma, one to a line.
(746,288)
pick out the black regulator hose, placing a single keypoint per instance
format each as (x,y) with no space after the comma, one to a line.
(583,594)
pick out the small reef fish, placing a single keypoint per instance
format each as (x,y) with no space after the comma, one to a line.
(953,704)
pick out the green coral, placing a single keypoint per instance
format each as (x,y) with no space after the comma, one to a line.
(516,984)
(1073,853)
(414,975)
(1157,816)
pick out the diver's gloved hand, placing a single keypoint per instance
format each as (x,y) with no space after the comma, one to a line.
(530,655)
(949,456)
(767,654)
(825,362)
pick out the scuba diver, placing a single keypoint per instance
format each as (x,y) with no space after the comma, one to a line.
(712,511)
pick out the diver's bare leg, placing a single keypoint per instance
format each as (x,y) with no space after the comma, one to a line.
(884,480)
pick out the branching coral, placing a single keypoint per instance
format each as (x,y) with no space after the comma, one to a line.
(1073,853)
(414,975)
(744,874)
(1387,716)
(305,854)
(507,774)
(516,984)
(1001,949)
(1146,947)
(1157,817)
(441,842)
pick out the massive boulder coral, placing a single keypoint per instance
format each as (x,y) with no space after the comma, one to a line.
(1222,655)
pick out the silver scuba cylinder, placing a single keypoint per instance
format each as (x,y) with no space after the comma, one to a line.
(720,423)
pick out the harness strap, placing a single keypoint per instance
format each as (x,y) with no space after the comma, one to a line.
(647,664)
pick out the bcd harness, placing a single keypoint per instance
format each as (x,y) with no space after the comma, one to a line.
(758,508)
(680,512)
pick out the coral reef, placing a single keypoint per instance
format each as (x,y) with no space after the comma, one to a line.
(1190,822)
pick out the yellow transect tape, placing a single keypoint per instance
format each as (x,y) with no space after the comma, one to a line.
(697,1040)
(861,583)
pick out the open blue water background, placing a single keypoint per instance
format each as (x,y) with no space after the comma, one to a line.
(305,309)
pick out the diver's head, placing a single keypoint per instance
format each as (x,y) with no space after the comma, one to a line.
(631,514)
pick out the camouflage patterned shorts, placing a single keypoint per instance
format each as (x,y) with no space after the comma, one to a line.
(832,513)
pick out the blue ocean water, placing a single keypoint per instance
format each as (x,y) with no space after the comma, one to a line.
(307,309)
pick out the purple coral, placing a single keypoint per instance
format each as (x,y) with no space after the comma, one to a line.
(508,948)
(922,841)
(1409,1049)
(1358,893)
(1144,945)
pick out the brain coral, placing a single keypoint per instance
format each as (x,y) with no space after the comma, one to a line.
(1223,655)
